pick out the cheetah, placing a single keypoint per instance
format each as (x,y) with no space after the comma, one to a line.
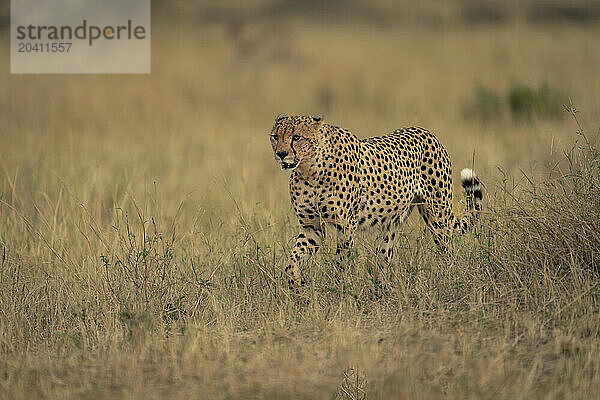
(373,183)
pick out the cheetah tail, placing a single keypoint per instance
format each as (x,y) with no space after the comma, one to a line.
(470,183)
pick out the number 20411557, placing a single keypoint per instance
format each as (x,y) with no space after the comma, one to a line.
(61,47)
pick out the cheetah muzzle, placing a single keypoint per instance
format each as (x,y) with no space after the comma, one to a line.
(289,166)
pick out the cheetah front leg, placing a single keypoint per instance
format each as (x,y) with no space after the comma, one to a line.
(308,242)
(383,259)
(385,247)
(345,243)
(388,237)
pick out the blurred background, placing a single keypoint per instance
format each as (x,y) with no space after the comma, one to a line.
(488,77)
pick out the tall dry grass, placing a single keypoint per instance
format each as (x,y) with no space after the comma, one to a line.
(143,222)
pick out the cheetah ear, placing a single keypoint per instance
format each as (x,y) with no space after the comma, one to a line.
(281,117)
(317,118)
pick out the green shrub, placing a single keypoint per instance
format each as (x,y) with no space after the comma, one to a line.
(521,102)
(526,102)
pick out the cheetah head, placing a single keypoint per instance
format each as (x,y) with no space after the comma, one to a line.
(295,140)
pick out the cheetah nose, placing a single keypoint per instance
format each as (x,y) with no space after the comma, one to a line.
(282,154)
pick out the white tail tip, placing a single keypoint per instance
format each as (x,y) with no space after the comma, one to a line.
(467,174)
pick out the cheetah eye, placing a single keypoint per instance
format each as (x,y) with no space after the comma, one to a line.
(274,137)
(296,137)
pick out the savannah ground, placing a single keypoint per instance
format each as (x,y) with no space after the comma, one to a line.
(144,223)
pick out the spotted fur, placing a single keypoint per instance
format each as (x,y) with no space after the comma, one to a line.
(370,183)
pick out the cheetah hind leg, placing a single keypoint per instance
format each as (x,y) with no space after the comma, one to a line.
(439,221)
